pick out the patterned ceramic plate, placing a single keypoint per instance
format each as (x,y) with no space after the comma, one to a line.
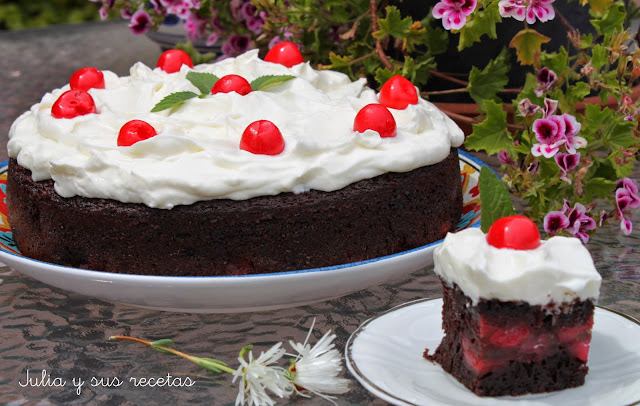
(385,355)
(216,294)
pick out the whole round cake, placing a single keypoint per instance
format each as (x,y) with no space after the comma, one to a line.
(297,172)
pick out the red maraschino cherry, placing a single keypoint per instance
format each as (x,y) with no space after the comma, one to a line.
(231,83)
(515,232)
(375,117)
(285,53)
(87,78)
(73,103)
(398,93)
(134,131)
(172,60)
(262,137)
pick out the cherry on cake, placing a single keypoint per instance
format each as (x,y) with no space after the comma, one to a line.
(242,166)
(518,311)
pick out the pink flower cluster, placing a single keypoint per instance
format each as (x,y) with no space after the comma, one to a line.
(454,12)
(553,131)
(243,13)
(574,220)
(527,10)
(626,198)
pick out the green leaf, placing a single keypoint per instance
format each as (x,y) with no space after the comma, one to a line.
(599,6)
(598,187)
(485,85)
(613,19)
(481,22)
(165,342)
(437,40)
(204,81)
(393,24)
(173,100)
(528,44)
(339,61)
(586,41)
(557,62)
(264,82)
(494,199)
(599,56)
(209,364)
(620,135)
(491,135)
(574,94)
(384,74)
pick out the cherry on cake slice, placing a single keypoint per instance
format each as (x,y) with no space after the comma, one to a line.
(518,312)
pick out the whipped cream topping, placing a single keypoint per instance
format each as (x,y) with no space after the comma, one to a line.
(195,155)
(559,270)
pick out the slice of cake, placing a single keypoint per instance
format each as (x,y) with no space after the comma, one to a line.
(518,311)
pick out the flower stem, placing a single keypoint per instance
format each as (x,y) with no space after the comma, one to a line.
(191,358)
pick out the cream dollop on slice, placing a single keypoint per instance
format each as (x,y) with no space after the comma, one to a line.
(560,270)
(196,154)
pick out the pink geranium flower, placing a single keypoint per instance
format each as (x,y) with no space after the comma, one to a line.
(626,198)
(546,78)
(140,22)
(550,132)
(567,163)
(575,220)
(454,12)
(236,45)
(527,9)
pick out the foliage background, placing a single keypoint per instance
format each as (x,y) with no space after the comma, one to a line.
(18,14)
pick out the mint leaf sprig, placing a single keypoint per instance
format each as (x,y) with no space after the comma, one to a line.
(204,81)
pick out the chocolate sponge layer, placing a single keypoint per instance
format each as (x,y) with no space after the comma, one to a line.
(368,219)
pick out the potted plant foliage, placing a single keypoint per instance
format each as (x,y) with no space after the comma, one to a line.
(550,88)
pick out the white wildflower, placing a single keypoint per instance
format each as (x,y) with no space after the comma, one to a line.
(258,375)
(316,368)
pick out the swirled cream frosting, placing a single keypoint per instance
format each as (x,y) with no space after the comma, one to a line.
(195,155)
(560,270)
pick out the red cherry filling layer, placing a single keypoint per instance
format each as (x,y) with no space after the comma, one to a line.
(492,346)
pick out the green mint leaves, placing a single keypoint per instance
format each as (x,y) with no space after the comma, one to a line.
(202,80)
(494,199)
(173,100)
(264,82)
(205,81)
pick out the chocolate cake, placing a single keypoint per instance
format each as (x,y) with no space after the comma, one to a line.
(497,343)
(109,182)
(367,219)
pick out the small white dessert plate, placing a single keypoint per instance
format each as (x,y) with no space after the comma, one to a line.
(385,355)
(222,294)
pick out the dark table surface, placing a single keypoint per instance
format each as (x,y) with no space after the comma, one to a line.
(66,334)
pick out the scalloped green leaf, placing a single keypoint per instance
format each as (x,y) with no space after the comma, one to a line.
(393,24)
(264,82)
(528,44)
(494,199)
(173,100)
(613,19)
(491,135)
(486,83)
(481,22)
(204,81)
